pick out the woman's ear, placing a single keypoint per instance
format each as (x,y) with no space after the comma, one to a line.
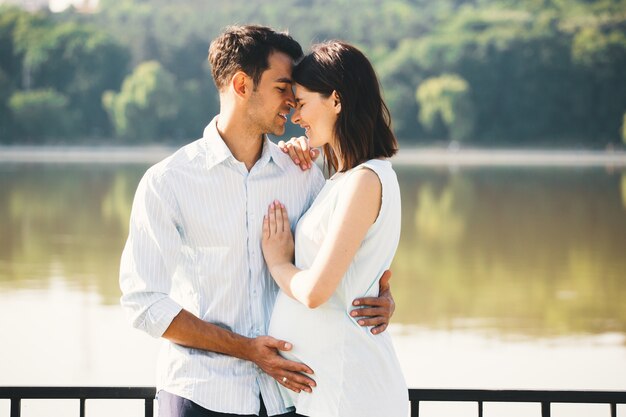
(336,102)
(240,83)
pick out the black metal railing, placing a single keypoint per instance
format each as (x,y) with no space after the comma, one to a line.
(416,396)
(17,394)
(545,398)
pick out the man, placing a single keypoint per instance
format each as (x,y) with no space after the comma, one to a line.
(192,270)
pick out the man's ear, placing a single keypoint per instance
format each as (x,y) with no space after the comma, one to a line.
(336,102)
(241,84)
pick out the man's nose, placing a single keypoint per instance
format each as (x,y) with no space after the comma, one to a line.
(291,99)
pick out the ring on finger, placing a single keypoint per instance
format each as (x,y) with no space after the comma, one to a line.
(285,380)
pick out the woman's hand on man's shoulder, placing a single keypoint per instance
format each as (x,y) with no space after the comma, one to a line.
(300,152)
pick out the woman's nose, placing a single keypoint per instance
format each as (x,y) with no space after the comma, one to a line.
(295,117)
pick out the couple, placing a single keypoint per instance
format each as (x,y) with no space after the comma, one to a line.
(210,242)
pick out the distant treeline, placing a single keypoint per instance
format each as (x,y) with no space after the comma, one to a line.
(485,72)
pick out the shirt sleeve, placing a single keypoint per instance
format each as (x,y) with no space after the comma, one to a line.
(150,257)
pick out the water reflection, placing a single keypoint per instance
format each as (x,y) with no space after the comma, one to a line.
(623,190)
(519,251)
(67,222)
(535,252)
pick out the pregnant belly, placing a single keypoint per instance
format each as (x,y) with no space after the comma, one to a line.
(316,334)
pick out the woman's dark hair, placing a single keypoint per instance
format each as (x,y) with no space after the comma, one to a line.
(363,127)
(247,48)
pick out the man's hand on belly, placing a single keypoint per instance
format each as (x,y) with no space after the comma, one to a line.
(263,351)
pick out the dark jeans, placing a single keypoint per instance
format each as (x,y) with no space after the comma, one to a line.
(171,405)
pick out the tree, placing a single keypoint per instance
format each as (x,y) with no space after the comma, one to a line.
(40,114)
(9,18)
(79,62)
(148,99)
(447,97)
(599,56)
(198,103)
(5,117)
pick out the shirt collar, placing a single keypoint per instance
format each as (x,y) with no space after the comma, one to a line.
(218,152)
(273,153)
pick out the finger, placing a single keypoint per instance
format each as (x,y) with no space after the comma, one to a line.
(277,343)
(283,346)
(301,156)
(299,381)
(286,224)
(290,385)
(293,154)
(283,146)
(289,381)
(279,217)
(379,329)
(371,301)
(304,146)
(368,312)
(266,227)
(291,366)
(372,321)
(277,221)
(383,283)
(314,153)
(271,214)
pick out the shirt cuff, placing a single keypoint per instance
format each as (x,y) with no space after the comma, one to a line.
(160,315)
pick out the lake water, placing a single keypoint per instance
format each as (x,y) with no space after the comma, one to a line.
(506,277)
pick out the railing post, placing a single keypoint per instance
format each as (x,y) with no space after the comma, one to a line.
(545,409)
(415,408)
(82,407)
(613,410)
(149,408)
(16,407)
(480,409)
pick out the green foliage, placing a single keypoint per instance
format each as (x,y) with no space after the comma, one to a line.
(447,97)
(76,60)
(79,61)
(147,100)
(539,71)
(592,48)
(40,114)
(5,118)
(198,105)
(10,18)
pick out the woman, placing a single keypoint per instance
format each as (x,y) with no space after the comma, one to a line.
(344,242)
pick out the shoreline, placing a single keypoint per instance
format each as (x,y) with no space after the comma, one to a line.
(412,156)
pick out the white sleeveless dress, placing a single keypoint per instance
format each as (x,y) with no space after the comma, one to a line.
(357,373)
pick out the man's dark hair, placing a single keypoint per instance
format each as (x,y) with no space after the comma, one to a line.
(247,48)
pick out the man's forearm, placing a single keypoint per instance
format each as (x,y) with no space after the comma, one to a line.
(188,330)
